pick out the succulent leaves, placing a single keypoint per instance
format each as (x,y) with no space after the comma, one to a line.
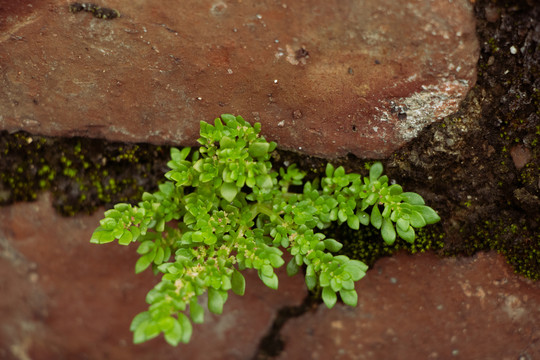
(224,209)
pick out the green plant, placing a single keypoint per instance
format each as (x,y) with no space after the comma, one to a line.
(226,210)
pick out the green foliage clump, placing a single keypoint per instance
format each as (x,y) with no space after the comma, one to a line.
(513,239)
(223,209)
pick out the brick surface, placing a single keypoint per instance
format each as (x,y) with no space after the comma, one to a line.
(424,307)
(326,78)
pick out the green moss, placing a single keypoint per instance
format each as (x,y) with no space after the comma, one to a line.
(528,176)
(493,45)
(367,245)
(82,174)
(519,245)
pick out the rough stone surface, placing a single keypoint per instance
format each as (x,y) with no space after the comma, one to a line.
(69,299)
(424,307)
(324,77)
(520,155)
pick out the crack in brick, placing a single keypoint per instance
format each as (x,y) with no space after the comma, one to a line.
(272,344)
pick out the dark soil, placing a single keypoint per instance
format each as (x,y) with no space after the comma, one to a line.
(466,166)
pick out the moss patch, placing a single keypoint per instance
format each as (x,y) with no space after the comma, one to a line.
(367,245)
(513,239)
(82,174)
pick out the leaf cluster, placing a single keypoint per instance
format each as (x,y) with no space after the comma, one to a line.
(223,209)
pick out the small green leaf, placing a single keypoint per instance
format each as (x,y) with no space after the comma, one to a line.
(139,333)
(228,118)
(166,188)
(292,267)
(113,213)
(145,330)
(342,216)
(184,153)
(395,215)
(160,225)
(122,207)
(402,224)
(108,223)
(412,198)
(332,245)
(406,235)
(353,222)
(136,232)
(329,297)
(228,191)
(349,297)
(356,269)
(216,300)
(177,155)
(324,279)
(335,284)
(102,236)
(363,217)
(226,142)
(160,253)
(173,336)
(196,312)
(264,181)
(395,189)
(311,281)
(196,236)
(210,239)
(270,281)
(144,262)
(372,198)
(258,149)
(166,323)
(387,211)
(187,328)
(167,254)
(339,172)
(198,166)
(376,217)
(126,238)
(375,171)
(329,170)
(138,319)
(428,214)
(417,220)
(388,232)
(145,247)
(238,283)
(348,284)
(267,270)
(276,260)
